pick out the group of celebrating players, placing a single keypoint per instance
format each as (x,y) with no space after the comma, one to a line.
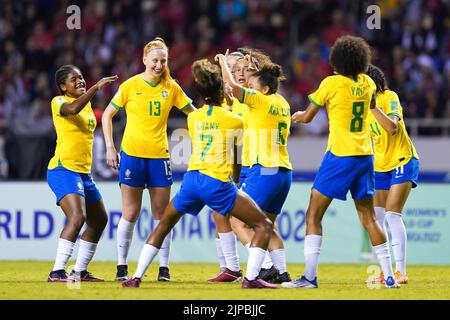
(369,154)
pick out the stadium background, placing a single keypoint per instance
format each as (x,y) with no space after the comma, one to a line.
(412,47)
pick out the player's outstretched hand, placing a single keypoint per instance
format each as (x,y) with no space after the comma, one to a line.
(104,81)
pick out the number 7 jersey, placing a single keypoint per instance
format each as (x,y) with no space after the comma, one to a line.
(214,131)
(348,105)
(147,106)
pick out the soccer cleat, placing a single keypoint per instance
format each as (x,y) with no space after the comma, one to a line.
(390,282)
(301,282)
(257,284)
(132,283)
(280,278)
(163,274)
(268,274)
(83,276)
(379,279)
(227,276)
(122,272)
(57,276)
(401,279)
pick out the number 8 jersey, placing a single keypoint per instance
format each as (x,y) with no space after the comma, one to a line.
(348,105)
(147,106)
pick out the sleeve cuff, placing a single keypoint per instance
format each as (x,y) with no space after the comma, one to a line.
(187,105)
(115,105)
(313,102)
(394,114)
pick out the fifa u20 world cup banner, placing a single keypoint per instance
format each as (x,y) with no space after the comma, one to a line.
(30,225)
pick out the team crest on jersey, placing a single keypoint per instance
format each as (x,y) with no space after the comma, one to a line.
(128,174)
(165,94)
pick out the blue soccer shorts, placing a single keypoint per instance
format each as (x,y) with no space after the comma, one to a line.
(143,172)
(338,175)
(268,187)
(63,182)
(198,190)
(401,174)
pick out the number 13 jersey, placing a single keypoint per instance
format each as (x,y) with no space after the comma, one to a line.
(147,106)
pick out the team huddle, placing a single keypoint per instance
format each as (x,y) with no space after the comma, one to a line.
(239,166)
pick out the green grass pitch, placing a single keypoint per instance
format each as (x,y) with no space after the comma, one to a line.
(27,280)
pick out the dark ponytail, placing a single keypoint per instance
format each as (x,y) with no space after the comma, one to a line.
(270,75)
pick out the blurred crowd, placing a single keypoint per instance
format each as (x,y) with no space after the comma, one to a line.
(412,47)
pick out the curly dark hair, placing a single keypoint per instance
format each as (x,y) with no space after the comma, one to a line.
(208,81)
(378,77)
(350,56)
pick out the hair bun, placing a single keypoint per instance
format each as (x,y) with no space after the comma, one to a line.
(275,70)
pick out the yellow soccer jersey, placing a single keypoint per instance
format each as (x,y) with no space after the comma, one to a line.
(147,106)
(241,110)
(268,125)
(75,136)
(348,104)
(390,151)
(213,131)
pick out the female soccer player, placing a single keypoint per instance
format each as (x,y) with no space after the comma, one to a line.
(396,168)
(348,163)
(208,180)
(230,270)
(147,98)
(269,179)
(69,173)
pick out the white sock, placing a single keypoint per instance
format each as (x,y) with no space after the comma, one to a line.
(398,241)
(63,253)
(228,242)
(311,250)
(384,258)
(380,214)
(124,236)
(267,264)
(220,255)
(86,251)
(164,252)
(278,257)
(146,257)
(255,260)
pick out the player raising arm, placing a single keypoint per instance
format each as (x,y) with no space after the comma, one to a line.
(69,173)
(270,175)
(208,180)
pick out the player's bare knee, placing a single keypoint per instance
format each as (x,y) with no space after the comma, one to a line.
(76,221)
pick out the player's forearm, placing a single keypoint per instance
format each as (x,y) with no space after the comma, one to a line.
(108,128)
(386,123)
(78,104)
